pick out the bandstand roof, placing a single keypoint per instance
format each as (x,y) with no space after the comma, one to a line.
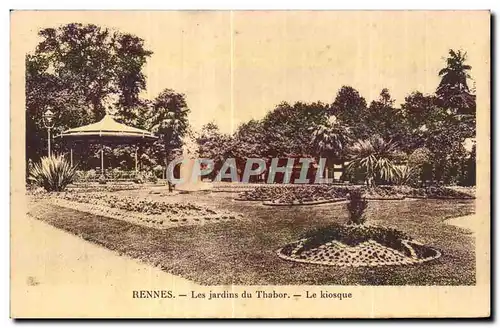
(107,130)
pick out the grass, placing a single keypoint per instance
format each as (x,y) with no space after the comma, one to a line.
(243,251)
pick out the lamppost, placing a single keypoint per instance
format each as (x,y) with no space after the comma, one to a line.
(49,124)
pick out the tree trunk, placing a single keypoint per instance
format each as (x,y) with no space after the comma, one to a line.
(170,186)
(370,181)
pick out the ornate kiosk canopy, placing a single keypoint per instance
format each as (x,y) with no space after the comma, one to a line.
(107,131)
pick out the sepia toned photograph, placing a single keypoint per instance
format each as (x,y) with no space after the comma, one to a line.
(221,163)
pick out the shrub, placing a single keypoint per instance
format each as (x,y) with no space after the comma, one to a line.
(102,179)
(139,178)
(407,174)
(158,171)
(151,177)
(53,173)
(357,206)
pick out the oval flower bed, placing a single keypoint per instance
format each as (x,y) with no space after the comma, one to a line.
(357,246)
(142,211)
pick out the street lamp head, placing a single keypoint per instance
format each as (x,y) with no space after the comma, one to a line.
(48,117)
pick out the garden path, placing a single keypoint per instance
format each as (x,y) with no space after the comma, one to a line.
(54,272)
(468,222)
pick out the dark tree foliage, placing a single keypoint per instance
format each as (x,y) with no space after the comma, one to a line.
(350,108)
(169,120)
(75,70)
(453,91)
(383,119)
(288,128)
(214,145)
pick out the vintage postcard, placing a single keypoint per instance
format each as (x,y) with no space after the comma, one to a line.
(250,164)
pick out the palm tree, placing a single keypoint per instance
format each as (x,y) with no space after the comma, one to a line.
(453,91)
(331,138)
(374,158)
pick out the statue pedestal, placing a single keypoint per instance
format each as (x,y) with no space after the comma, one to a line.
(189,184)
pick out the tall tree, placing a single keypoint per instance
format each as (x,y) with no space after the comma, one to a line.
(248,141)
(350,107)
(74,69)
(288,128)
(214,145)
(422,115)
(169,120)
(453,91)
(383,119)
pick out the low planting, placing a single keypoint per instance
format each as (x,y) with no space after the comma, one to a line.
(436,193)
(53,173)
(308,195)
(109,187)
(353,235)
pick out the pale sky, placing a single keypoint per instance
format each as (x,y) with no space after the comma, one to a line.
(237,66)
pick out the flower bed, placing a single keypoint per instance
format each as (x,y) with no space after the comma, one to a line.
(142,211)
(298,202)
(261,193)
(436,193)
(351,245)
(320,194)
(315,194)
(103,188)
(382,193)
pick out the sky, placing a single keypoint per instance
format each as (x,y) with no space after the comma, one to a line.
(235,66)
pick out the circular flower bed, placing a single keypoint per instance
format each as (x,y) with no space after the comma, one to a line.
(356,246)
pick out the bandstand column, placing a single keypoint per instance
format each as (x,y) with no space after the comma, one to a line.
(102,158)
(136,163)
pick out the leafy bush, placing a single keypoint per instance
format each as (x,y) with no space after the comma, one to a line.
(375,158)
(139,178)
(53,173)
(407,175)
(151,177)
(158,171)
(356,207)
(102,179)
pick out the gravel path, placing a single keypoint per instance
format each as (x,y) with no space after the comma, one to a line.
(54,273)
(468,222)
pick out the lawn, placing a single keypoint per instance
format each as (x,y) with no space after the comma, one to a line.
(244,251)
